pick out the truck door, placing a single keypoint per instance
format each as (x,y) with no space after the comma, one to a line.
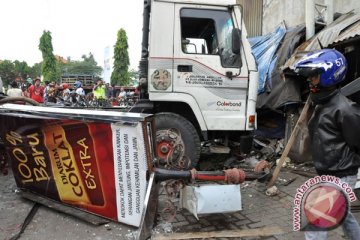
(206,67)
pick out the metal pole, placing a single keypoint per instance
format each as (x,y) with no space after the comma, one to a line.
(310,18)
(329,17)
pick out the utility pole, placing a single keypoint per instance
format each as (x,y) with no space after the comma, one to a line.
(310,18)
(329,16)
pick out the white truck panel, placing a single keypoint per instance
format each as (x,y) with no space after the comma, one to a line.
(202,2)
(200,78)
(162,24)
(186,98)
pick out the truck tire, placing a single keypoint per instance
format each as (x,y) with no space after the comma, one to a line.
(177,140)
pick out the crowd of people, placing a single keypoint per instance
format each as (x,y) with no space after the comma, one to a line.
(52,92)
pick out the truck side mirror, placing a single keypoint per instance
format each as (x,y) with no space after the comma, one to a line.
(236,40)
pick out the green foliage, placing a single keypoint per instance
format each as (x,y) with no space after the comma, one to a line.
(35,70)
(21,69)
(133,77)
(87,66)
(48,67)
(120,74)
(7,72)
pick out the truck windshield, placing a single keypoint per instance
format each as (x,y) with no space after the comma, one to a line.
(209,32)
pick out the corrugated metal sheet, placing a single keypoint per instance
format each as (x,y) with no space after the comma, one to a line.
(253,12)
(332,31)
(353,31)
(339,30)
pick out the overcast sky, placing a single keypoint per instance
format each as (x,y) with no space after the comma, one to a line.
(77,27)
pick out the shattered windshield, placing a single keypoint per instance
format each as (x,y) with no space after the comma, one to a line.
(209,32)
(225,27)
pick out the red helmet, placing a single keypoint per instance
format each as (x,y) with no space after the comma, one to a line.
(65,86)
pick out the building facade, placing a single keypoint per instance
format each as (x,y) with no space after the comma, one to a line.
(263,16)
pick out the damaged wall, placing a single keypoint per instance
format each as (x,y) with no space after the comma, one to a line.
(293,11)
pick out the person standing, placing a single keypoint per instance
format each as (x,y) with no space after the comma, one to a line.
(333,126)
(99,90)
(46,90)
(122,94)
(14,91)
(51,93)
(36,91)
(113,91)
(2,90)
(108,90)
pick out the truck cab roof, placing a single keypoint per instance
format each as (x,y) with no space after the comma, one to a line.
(203,2)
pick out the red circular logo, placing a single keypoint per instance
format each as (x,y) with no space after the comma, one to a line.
(325,206)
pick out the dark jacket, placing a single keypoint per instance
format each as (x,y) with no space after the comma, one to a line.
(334,130)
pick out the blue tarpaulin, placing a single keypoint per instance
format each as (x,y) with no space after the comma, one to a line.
(264,49)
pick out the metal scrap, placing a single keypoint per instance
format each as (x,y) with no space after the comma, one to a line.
(289,181)
(339,30)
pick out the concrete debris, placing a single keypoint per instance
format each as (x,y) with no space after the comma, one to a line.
(286,162)
(272,191)
(131,235)
(107,226)
(165,227)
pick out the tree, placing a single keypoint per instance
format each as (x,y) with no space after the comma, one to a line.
(21,69)
(48,66)
(120,74)
(87,66)
(7,72)
(133,77)
(35,70)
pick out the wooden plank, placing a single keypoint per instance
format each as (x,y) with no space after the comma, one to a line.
(294,134)
(257,232)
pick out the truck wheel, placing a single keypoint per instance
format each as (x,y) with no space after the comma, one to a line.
(177,142)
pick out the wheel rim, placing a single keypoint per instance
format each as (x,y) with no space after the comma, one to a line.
(171,149)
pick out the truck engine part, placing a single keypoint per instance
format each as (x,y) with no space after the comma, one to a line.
(178,144)
(231,176)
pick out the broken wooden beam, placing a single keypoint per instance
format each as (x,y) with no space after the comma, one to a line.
(294,134)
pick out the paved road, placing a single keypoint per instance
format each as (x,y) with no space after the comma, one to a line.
(259,210)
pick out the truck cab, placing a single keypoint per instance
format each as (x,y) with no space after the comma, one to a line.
(199,72)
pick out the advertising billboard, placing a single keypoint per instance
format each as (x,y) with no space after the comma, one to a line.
(99,166)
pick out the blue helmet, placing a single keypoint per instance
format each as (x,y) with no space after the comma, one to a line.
(77,84)
(329,63)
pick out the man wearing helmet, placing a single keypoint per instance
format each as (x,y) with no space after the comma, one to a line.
(333,127)
(79,90)
(65,92)
(80,93)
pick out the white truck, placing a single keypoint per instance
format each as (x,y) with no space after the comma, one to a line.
(198,76)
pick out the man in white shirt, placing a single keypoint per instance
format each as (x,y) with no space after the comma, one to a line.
(14,91)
